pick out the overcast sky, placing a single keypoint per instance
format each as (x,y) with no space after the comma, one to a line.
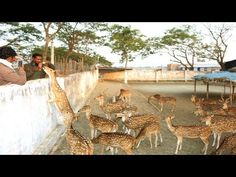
(151,29)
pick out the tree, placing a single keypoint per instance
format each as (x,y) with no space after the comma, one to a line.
(89,60)
(80,37)
(217,47)
(98,59)
(126,42)
(21,36)
(50,36)
(69,36)
(183,45)
(86,38)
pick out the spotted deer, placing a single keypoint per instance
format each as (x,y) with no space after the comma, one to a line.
(209,111)
(163,100)
(78,144)
(58,96)
(125,95)
(231,111)
(197,100)
(116,140)
(228,145)
(98,123)
(202,132)
(206,105)
(138,121)
(219,126)
(221,108)
(109,108)
(147,131)
(114,108)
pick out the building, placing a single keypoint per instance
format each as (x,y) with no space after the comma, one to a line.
(173,67)
(208,66)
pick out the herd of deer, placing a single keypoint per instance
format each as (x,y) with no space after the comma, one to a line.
(218,116)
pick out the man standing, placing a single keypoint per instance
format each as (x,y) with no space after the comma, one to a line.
(34,70)
(7,73)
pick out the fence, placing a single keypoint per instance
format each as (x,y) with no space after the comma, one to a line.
(70,66)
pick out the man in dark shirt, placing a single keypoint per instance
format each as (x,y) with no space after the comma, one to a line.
(34,70)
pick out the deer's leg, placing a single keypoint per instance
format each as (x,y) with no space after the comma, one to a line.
(206,147)
(177,146)
(181,141)
(128,151)
(116,150)
(206,142)
(108,116)
(123,127)
(102,149)
(112,150)
(95,133)
(218,140)
(214,138)
(138,144)
(129,100)
(161,107)
(156,139)
(108,148)
(92,133)
(150,139)
(173,108)
(134,133)
(160,137)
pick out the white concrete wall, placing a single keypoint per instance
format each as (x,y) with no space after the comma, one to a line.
(27,120)
(151,75)
(141,74)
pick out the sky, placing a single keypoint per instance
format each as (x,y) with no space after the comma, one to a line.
(151,29)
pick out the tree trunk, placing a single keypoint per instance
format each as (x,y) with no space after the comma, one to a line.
(45,52)
(66,60)
(125,72)
(82,64)
(222,65)
(126,63)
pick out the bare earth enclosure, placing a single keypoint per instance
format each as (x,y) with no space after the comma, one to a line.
(140,93)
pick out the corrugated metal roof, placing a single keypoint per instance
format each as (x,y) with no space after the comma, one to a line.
(224,74)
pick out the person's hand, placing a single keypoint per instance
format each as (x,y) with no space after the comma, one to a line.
(40,66)
(21,68)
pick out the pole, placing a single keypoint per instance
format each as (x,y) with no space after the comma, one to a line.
(125,76)
(230,90)
(52,52)
(207,95)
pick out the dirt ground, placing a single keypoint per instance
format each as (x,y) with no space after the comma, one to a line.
(140,92)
